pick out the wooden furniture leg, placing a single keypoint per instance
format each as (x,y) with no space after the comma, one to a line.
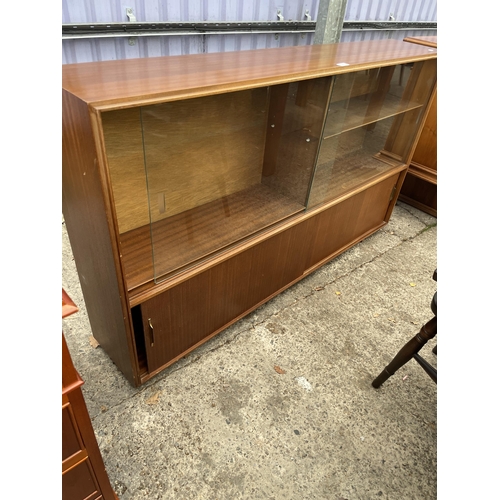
(409,351)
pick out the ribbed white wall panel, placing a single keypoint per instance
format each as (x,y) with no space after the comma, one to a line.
(102,11)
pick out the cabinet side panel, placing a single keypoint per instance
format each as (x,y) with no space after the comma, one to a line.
(419,193)
(426,149)
(86,220)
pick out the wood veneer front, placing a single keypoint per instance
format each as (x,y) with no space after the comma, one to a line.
(183,317)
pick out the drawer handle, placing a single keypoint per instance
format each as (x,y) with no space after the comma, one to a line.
(152,332)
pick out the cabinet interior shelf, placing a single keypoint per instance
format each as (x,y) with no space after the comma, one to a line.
(353,171)
(346,116)
(199,232)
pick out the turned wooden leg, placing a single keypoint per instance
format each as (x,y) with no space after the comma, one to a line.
(427,332)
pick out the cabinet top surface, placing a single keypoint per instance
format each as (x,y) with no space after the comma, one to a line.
(429,41)
(132,82)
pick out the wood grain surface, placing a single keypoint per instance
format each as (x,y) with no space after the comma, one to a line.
(122,83)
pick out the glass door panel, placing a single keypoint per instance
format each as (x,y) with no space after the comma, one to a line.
(221,168)
(372,120)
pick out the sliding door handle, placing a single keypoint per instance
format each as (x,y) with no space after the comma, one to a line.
(151,332)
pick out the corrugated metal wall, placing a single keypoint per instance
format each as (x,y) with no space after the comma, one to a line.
(385,10)
(109,11)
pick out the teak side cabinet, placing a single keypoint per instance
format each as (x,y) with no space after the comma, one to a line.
(420,186)
(196,188)
(84,476)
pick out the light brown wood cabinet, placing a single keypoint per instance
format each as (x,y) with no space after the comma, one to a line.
(83,472)
(196,188)
(420,186)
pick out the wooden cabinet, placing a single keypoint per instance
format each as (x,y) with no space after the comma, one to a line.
(420,186)
(195,188)
(83,472)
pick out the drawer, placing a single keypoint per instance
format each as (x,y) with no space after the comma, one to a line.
(79,482)
(71,439)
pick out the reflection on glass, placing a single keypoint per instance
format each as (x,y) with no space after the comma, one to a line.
(191,178)
(372,119)
(223,167)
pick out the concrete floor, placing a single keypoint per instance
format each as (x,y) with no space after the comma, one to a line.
(279,405)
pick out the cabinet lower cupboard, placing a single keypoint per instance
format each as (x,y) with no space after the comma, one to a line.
(196,188)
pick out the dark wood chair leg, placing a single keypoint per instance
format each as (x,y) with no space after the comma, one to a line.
(427,332)
(429,369)
(435,350)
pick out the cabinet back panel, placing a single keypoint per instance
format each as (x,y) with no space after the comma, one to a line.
(123,140)
(204,149)
(172,157)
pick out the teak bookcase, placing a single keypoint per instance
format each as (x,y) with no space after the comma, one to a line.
(196,188)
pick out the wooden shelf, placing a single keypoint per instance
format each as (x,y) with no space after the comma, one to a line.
(344,116)
(337,179)
(191,236)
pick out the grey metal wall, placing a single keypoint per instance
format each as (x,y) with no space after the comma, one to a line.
(113,11)
(385,10)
